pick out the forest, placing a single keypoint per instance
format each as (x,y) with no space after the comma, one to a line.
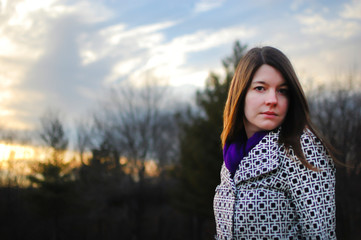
(110,189)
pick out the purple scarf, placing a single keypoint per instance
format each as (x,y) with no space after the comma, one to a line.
(234,152)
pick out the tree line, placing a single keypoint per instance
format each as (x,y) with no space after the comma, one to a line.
(109,194)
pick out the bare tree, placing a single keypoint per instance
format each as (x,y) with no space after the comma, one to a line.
(83,138)
(337,113)
(336,110)
(53,134)
(135,122)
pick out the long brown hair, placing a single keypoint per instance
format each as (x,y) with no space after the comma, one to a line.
(297,117)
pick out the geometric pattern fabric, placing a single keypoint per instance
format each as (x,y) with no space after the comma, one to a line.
(273,196)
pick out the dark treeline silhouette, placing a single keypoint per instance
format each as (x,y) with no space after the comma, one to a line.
(110,195)
(337,113)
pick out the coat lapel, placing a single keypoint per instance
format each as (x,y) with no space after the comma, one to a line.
(263,158)
(226,175)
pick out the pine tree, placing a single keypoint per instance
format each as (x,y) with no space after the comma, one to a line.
(201,151)
(53,194)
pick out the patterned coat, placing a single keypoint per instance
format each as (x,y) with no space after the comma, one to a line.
(274,196)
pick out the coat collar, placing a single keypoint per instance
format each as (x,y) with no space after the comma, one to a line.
(263,158)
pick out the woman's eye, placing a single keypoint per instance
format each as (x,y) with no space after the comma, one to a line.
(259,88)
(283,91)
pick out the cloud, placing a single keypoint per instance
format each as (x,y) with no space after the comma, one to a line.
(352,10)
(39,59)
(207,5)
(295,4)
(170,57)
(317,39)
(124,49)
(58,55)
(19,46)
(123,68)
(137,53)
(169,60)
(335,28)
(118,41)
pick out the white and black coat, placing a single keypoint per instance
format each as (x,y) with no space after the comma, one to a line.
(273,196)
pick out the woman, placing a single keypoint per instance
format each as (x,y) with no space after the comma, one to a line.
(278,179)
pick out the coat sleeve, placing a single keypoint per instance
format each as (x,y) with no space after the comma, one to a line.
(313,193)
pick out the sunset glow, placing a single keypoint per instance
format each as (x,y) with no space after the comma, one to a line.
(17,160)
(16,152)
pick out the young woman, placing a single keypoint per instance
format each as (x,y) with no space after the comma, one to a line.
(278,179)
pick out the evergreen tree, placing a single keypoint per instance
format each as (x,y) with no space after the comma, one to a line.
(200,145)
(53,193)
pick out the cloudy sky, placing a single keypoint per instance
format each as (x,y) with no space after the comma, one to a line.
(62,53)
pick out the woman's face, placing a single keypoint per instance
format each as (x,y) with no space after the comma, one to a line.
(266,101)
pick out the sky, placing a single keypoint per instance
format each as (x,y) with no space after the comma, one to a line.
(62,54)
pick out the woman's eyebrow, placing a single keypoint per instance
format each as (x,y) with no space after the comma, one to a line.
(259,81)
(263,82)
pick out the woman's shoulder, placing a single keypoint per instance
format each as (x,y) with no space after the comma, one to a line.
(314,150)
(310,138)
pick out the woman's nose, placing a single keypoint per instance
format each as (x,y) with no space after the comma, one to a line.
(271,98)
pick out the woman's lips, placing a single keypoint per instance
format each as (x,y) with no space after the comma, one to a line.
(269,114)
